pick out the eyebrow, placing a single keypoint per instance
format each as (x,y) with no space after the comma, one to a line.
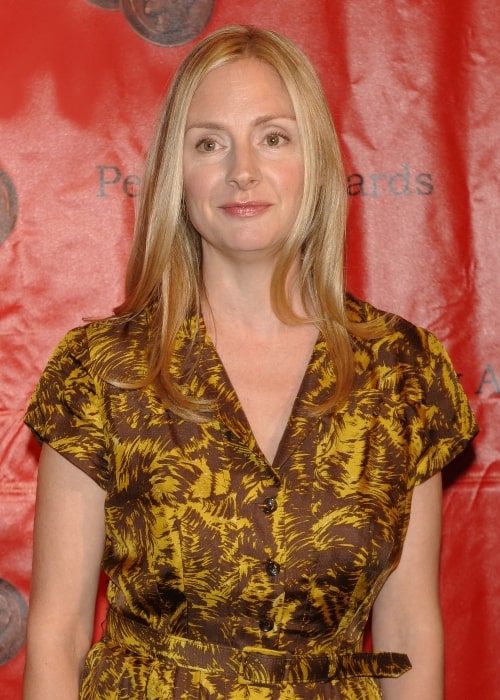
(217,126)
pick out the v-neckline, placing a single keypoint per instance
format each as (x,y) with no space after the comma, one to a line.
(233,417)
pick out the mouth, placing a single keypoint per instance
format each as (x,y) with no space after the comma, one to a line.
(245,209)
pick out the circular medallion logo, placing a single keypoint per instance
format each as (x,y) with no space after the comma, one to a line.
(107,4)
(13,614)
(168,22)
(8,206)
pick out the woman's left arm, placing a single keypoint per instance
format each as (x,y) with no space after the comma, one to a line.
(407,613)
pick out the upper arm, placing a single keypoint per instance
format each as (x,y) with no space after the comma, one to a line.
(68,546)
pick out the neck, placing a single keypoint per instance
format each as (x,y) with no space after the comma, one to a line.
(241,294)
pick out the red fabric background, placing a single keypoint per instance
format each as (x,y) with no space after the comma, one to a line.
(414,89)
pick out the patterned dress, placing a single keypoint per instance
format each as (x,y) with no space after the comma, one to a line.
(229,577)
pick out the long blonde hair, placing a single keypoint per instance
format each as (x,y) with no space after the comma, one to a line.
(164,269)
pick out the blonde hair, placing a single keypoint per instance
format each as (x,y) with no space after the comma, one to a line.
(164,269)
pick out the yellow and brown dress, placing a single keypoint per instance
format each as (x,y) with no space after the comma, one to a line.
(230,577)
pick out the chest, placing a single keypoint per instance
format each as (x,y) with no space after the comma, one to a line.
(266,378)
(339,484)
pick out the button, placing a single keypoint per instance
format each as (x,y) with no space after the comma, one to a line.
(266,624)
(270,505)
(272,568)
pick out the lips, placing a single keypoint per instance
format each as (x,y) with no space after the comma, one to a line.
(245,209)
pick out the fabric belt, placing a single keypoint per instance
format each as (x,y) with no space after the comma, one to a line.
(251,665)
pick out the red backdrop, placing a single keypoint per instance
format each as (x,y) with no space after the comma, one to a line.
(414,90)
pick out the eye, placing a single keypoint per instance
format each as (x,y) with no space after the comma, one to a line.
(207,145)
(275,139)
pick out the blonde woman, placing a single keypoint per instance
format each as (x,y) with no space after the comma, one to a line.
(251,455)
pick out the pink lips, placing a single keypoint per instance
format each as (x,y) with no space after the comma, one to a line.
(245,209)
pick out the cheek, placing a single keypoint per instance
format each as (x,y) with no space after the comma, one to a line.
(292,175)
(196,196)
(294,184)
(193,191)
(193,211)
(198,183)
(190,182)
(299,177)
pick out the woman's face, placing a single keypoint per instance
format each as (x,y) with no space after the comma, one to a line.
(243,164)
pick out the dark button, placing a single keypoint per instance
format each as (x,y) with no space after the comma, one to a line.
(266,625)
(270,505)
(272,568)
(230,437)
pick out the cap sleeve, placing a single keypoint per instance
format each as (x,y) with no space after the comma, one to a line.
(447,421)
(65,409)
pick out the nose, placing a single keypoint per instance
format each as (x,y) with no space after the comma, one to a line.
(243,170)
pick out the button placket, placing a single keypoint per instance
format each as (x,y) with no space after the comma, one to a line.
(266,624)
(263,511)
(272,567)
(270,505)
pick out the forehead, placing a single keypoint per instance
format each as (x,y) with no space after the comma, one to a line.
(245,83)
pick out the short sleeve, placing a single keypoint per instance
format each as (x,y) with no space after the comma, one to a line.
(65,409)
(447,421)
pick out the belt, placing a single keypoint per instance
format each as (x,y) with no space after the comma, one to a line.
(251,665)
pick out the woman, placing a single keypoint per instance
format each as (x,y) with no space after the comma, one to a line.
(263,449)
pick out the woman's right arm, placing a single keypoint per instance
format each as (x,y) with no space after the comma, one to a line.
(68,546)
